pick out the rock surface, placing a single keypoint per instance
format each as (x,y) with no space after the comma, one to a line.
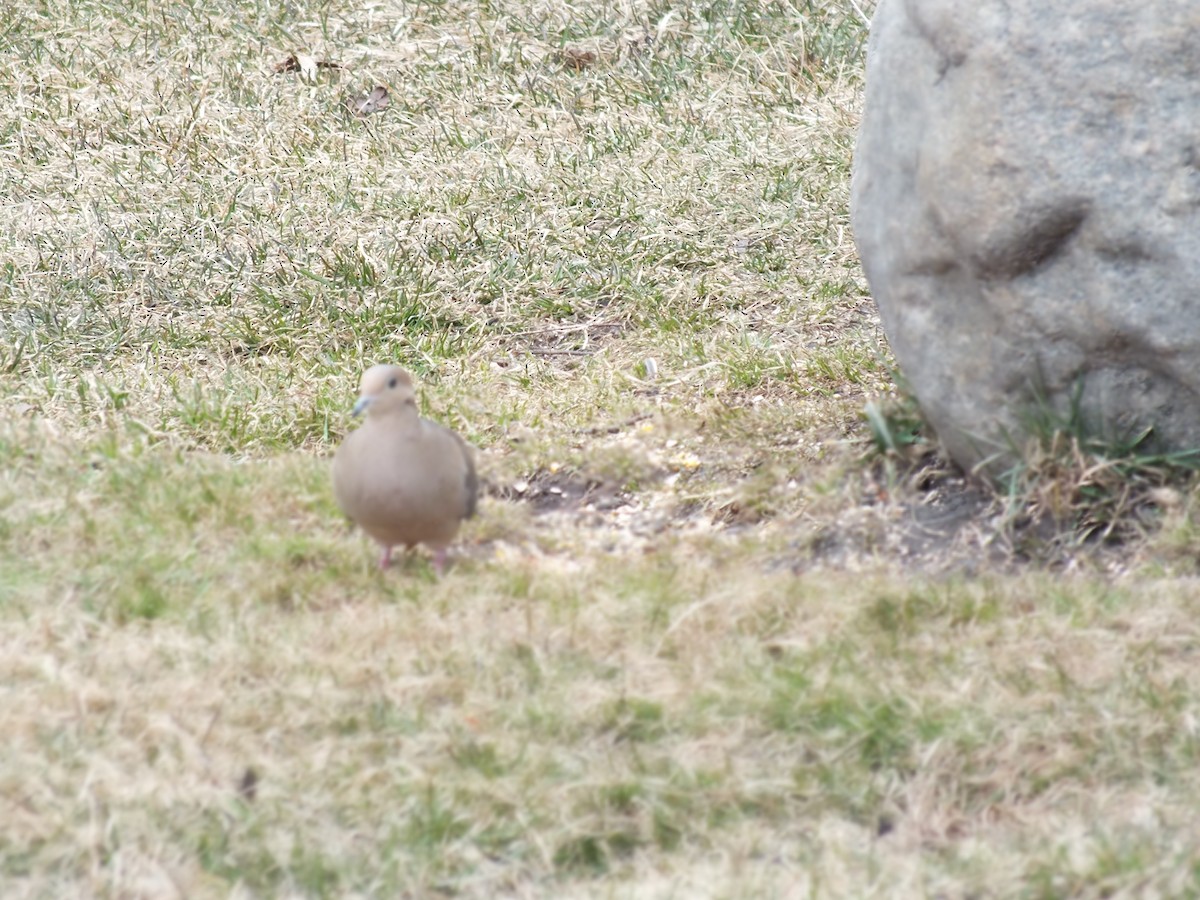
(1026,202)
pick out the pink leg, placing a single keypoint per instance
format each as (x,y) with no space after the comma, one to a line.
(439,560)
(385,559)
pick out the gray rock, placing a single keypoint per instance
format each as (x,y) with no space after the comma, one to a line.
(1026,202)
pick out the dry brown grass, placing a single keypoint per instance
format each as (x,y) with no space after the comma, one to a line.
(694,645)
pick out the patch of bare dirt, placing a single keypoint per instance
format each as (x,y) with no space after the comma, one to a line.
(567,339)
(947,531)
(939,520)
(929,518)
(562,491)
(948,512)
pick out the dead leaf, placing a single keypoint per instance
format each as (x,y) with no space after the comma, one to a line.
(637,41)
(577,58)
(805,66)
(1164,496)
(368,103)
(306,65)
(248,784)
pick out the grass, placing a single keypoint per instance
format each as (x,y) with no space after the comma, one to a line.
(678,653)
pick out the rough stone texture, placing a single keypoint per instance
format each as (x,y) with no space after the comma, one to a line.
(1026,202)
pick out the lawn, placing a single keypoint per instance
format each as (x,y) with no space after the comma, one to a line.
(706,637)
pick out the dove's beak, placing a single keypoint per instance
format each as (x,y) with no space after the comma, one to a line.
(360,406)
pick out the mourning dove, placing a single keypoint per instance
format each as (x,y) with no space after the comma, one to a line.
(403,479)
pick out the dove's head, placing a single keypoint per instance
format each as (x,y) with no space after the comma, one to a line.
(385,390)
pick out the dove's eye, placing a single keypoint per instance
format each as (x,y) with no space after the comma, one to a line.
(392,382)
